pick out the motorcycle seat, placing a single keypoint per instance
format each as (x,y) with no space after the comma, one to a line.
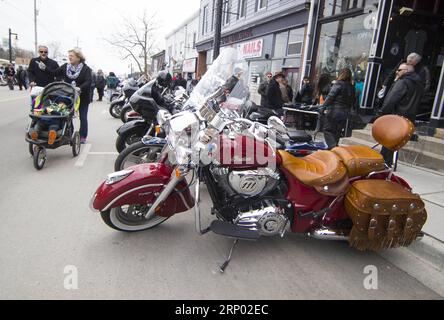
(360,160)
(322,170)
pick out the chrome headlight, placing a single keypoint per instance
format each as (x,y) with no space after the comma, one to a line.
(118,176)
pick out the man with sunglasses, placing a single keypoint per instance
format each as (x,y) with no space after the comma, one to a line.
(36,70)
(402,99)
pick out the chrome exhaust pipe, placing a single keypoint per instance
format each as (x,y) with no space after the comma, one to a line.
(327,234)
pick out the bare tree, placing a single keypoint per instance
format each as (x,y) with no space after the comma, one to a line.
(55,51)
(136,40)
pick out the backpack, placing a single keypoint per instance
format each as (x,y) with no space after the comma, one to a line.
(112,82)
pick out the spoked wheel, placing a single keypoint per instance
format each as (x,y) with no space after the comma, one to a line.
(39,158)
(138,153)
(123,142)
(115,110)
(75,144)
(131,218)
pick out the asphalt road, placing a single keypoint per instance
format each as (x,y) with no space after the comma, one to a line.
(46,225)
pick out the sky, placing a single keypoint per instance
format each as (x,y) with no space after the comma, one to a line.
(89,21)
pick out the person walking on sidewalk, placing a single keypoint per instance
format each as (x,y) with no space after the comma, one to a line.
(21,78)
(10,75)
(111,83)
(100,84)
(402,99)
(37,75)
(338,104)
(77,73)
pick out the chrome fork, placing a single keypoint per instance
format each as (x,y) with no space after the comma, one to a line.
(164,194)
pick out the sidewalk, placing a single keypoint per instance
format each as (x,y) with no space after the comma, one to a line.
(430,186)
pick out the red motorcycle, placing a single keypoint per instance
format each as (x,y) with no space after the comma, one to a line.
(258,190)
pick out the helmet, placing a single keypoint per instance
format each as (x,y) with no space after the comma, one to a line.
(164,79)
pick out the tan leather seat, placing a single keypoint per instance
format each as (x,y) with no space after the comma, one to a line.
(360,160)
(322,170)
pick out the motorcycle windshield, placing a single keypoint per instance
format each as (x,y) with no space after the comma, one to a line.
(227,75)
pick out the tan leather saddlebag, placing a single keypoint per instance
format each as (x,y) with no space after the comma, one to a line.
(384,214)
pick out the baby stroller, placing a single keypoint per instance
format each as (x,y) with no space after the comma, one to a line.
(53,109)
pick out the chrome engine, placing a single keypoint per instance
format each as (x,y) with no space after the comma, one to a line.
(243,192)
(249,183)
(270,220)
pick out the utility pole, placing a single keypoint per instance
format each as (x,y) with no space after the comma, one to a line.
(35,27)
(218,29)
(10,43)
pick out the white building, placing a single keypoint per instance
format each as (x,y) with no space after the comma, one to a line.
(181,54)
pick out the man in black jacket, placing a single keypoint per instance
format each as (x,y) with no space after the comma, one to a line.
(37,76)
(402,99)
(274,94)
(263,89)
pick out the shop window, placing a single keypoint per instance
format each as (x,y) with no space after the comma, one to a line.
(258,71)
(328,8)
(280,46)
(344,44)
(341,6)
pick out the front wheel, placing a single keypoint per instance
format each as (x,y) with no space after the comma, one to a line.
(123,141)
(39,158)
(131,218)
(114,110)
(138,153)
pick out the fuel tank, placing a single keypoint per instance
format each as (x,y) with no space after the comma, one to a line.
(245,152)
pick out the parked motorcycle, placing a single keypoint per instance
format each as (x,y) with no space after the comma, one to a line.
(122,100)
(133,131)
(258,190)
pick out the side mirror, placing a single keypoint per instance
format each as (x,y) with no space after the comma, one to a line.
(276,124)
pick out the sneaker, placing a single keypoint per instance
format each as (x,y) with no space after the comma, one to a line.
(34,135)
(52,137)
(82,140)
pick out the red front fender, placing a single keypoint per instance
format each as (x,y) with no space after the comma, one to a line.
(141,188)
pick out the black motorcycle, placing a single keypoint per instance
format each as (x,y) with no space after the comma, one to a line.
(128,89)
(141,102)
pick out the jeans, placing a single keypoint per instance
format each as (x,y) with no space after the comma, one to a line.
(83,111)
(335,123)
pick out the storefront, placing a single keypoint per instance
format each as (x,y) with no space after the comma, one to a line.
(189,68)
(371,37)
(272,46)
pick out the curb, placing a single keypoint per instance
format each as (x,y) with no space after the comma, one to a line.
(423,260)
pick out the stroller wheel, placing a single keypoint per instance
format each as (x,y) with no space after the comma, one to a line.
(75,143)
(39,158)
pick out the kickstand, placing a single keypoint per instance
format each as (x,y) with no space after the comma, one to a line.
(225,264)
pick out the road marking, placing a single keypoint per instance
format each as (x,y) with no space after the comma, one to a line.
(84,154)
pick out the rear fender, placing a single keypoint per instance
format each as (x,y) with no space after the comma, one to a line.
(134,126)
(142,187)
